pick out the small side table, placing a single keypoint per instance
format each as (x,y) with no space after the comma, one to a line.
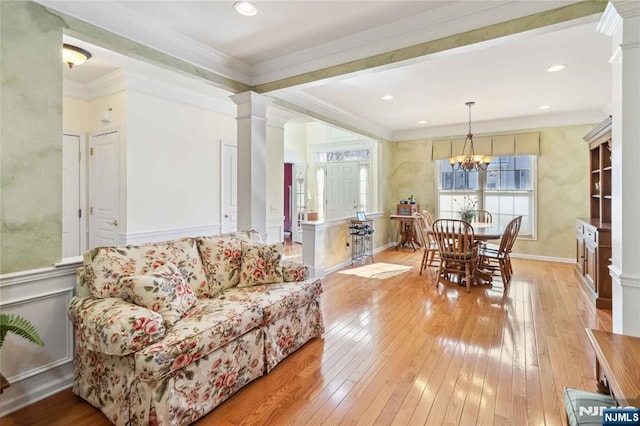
(406,231)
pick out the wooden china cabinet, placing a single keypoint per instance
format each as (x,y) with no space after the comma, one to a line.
(593,234)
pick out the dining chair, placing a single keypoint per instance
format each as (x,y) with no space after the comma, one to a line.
(482,216)
(428,217)
(457,248)
(494,257)
(426,240)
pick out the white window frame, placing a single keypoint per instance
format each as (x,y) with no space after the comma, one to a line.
(481,192)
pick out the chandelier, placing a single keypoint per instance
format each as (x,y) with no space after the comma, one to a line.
(470,161)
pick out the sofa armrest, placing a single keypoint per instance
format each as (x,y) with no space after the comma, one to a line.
(113,326)
(293,270)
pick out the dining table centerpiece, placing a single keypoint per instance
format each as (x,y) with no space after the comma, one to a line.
(467,210)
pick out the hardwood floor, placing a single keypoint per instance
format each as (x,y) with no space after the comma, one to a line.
(401,351)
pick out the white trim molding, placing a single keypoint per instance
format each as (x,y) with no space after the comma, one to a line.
(169,234)
(41,296)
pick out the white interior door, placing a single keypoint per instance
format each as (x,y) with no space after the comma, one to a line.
(229,183)
(104,192)
(71,207)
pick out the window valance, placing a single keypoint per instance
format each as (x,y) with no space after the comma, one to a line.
(498,145)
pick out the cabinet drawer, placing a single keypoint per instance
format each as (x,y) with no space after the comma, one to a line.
(591,235)
(579,228)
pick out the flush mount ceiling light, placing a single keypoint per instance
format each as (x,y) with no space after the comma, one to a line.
(245,8)
(387,97)
(422,122)
(544,107)
(73,55)
(555,68)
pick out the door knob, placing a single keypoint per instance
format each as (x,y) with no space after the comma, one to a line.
(113,222)
(226,215)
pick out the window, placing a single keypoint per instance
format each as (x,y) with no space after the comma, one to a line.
(506,189)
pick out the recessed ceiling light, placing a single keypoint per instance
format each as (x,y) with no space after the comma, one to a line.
(544,107)
(245,8)
(422,122)
(387,97)
(555,68)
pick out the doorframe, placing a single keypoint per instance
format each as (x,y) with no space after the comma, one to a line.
(121,198)
(84,206)
(223,143)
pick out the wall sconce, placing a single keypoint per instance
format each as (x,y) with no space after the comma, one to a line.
(106,116)
(73,55)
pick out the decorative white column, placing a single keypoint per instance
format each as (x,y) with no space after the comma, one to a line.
(621,20)
(252,160)
(313,248)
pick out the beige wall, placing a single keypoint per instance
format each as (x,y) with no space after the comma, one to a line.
(562,189)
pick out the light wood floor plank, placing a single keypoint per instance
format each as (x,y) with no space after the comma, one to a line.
(404,351)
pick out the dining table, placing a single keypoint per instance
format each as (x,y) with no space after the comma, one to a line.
(483,231)
(487,231)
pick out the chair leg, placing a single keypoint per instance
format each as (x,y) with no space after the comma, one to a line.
(504,273)
(469,276)
(423,261)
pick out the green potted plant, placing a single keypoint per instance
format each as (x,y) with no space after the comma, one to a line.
(21,327)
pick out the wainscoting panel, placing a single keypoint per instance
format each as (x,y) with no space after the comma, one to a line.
(275,229)
(40,296)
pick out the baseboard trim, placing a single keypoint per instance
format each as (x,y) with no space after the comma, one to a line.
(542,258)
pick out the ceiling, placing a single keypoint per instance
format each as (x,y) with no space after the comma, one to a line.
(506,77)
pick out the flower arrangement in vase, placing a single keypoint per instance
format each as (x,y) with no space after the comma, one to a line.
(467,208)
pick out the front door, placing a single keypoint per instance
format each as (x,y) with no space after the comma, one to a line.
(104,192)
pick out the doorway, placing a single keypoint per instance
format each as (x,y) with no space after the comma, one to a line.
(74,232)
(288,195)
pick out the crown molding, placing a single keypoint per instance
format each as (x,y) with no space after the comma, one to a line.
(119,19)
(200,96)
(453,19)
(74,89)
(610,21)
(310,106)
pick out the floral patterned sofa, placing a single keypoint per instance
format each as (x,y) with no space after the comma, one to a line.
(165,332)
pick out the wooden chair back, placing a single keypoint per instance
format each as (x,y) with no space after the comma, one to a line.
(455,238)
(428,217)
(482,216)
(509,236)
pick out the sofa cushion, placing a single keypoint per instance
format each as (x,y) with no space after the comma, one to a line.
(276,300)
(221,258)
(260,264)
(163,291)
(104,266)
(294,271)
(210,324)
(113,326)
